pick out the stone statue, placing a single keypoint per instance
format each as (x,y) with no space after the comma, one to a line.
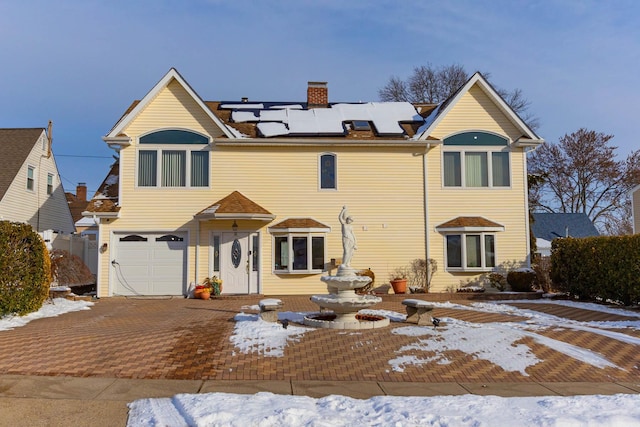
(348,238)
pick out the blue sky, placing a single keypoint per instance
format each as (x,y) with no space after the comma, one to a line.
(81,63)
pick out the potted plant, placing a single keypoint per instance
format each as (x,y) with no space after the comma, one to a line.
(214,284)
(202,292)
(398,280)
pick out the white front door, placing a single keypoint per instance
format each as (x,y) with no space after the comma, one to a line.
(238,262)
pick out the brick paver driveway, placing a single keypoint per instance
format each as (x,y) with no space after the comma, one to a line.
(190,339)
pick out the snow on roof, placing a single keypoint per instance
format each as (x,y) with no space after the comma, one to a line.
(293,120)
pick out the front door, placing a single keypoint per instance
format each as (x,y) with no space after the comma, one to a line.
(238,262)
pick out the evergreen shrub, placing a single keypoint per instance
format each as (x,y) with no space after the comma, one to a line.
(25,269)
(521,280)
(603,268)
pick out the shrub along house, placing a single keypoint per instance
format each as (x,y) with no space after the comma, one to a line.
(251,191)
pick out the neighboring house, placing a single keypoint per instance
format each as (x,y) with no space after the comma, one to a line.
(251,191)
(30,187)
(635,209)
(549,226)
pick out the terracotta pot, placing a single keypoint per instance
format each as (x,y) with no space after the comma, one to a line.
(202,293)
(399,286)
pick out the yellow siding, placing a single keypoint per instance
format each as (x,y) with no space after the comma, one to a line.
(475,111)
(383,188)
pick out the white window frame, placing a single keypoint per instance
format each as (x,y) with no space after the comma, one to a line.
(33,178)
(290,236)
(159,148)
(335,172)
(472,149)
(51,189)
(463,247)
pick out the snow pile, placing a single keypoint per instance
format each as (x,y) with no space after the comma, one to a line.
(267,409)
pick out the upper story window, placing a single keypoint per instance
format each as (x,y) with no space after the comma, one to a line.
(169,166)
(328,172)
(31,171)
(49,183)
(476,159)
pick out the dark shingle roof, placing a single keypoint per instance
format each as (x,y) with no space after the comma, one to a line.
(15,146)
(549,226)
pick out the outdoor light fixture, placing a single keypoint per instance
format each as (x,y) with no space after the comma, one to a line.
(234,227)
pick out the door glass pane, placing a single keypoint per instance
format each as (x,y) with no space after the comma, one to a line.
(317,253)
(299,253)
(236,253)
(216,253)
(476,170)
(452,170)
(199,168)
(173,168)
(281,253)
(500,166)
(473,251)
(254,252)
(147,168)
(489,251)
(454,251)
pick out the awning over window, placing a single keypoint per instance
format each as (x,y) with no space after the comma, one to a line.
(235,206)
(468,224)
(300,225)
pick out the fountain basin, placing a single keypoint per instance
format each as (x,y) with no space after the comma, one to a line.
(328,320)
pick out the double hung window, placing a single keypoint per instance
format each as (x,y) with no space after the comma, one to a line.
(328,172)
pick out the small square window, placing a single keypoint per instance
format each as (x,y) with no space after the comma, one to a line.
(360,125)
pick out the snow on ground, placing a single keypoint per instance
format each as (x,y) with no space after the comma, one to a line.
(492,341)
(267,410)
(51,308)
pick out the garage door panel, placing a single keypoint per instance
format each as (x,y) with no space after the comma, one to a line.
(151,264)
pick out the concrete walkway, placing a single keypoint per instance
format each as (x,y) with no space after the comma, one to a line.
(67,401)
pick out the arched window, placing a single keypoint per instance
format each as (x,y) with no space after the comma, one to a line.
(328,172)
(162,163)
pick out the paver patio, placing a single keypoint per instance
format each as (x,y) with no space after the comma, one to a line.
(189,339)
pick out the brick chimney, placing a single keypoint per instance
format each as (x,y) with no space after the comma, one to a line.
(317,95)
(81,192)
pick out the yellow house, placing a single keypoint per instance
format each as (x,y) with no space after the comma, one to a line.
(251,191)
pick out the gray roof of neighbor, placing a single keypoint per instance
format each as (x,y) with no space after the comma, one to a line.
(15,146)
(549,226)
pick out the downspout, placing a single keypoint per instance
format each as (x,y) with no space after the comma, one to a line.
(195,274)
(426,202)
(526,204)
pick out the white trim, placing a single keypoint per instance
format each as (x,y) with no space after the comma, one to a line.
(478,79)
(171,75)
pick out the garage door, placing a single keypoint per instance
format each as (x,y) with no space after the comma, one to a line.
(149,264)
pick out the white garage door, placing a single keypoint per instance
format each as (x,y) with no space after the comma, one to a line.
(149,264)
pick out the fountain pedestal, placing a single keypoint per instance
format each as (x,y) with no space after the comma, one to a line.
(345,303)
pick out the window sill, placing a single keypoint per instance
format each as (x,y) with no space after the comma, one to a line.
(296,272)
(469,269)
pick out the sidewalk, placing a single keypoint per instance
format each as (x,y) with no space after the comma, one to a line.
(68,401)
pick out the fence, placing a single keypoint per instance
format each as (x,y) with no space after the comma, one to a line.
(81,246)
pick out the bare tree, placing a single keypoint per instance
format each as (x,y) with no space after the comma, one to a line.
(430,84)
(583,175)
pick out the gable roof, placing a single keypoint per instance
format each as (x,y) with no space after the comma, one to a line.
(529,137)
(549,226)
(235,206)
(138,106)
(15,146)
